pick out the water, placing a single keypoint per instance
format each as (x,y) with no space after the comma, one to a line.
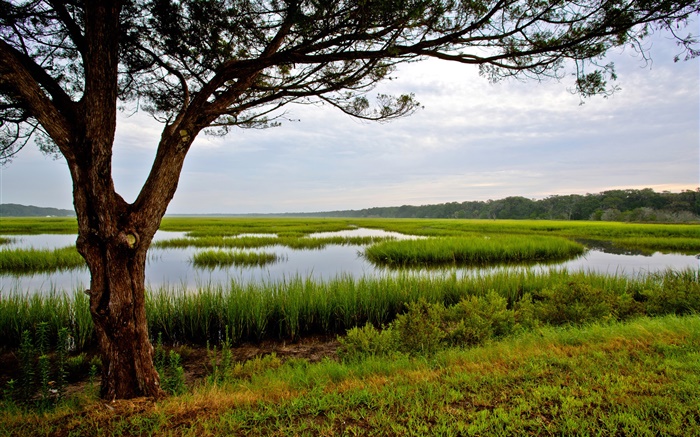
(173,267)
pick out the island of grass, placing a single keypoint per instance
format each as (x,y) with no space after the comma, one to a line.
(476,250)
(223,258)
(26,261)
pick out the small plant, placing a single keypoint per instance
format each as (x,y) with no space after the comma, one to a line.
(62,348)
(221,368)
(27,355)
(367,341)
(173,376)
(169,367)
(92,388)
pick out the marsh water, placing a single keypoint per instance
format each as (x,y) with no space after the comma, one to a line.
(174,268)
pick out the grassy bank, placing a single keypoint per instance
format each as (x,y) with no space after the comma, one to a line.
(641,377)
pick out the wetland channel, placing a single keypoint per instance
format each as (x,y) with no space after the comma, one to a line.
(174,267)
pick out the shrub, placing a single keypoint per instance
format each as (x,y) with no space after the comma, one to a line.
(679,294)
(364,342)
(573,303)
(419,329)
(474,320)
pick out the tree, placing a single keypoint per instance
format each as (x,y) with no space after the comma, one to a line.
(67,67)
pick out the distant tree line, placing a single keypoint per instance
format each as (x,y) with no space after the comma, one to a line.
(644,205)
(15,210)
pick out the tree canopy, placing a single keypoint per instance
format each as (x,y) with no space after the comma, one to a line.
(216,64)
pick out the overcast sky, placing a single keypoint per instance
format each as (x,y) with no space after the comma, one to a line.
(472,141)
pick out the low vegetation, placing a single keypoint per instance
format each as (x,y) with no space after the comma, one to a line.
(299,307)
(472,250)
(257,241)
(23,261)
(218,258)
(639,377)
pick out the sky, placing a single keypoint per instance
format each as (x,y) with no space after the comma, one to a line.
(472,140)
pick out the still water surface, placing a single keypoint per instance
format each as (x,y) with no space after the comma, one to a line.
(173,267)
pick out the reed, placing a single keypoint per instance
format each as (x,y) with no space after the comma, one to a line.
(473,250)
(253,242)
(216,258)
(21,312)
(23,261)
(299,306)
(682,245)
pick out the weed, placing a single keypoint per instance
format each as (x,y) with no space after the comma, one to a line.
(27,355)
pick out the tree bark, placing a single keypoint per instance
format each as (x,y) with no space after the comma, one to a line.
(117,304)
(115,248)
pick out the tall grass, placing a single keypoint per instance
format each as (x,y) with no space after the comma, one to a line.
(472,250)
(251,242)
(22,261)
(215,258)
(21,312)
(301,306)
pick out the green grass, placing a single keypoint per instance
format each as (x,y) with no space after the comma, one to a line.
(667,237)
(252,242)
(213,226)
(298,306)
(23,261)
(641,377)
(217,258)
(472,250)
(35,225)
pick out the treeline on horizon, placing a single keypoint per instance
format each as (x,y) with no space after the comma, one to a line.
(16,210)
(643,205)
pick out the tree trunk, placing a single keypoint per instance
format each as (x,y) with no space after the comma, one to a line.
(117,304)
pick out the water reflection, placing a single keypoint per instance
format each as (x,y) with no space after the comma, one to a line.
(173,267)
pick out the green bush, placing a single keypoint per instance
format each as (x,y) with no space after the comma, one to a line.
(524,313)
(364,342)
(679,294)
(474,320)
(419,330)
(573,303)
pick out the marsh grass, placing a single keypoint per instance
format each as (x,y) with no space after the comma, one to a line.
(217,258)
(20,312)
(252,242)
(299,306)
(38,225)
(472,250)
(680,245)
(23,261)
